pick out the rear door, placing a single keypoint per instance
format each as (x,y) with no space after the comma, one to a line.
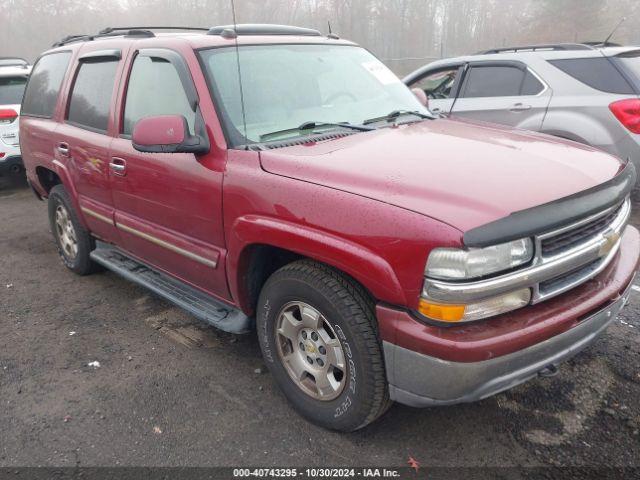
(168,205)
(83,139)
(504,92)
(38,120)
(441,87)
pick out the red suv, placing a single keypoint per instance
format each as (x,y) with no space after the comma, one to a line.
(270,179)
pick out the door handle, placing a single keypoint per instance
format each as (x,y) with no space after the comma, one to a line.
(63,149)
(520,107)
(118,166)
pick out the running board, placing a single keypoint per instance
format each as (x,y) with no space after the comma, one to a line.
(199,304)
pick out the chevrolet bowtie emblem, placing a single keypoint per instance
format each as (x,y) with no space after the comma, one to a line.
(311,348)
(610,240)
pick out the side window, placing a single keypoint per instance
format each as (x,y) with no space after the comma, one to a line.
(440,84)
(155,89)
(91,95)
(597,72)
(44,85)
(531,85)
(498,81)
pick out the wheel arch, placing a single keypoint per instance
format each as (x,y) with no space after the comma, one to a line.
(260,245)
(47,179)
(58,175)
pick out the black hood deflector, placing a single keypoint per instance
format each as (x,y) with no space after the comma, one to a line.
(556,214)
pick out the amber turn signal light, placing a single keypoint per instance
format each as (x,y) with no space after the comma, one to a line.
(441,312)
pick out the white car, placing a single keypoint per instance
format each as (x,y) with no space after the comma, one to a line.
(13,79)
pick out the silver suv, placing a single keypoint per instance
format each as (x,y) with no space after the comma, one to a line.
(581,92)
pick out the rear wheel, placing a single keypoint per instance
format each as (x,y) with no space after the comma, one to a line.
(318,335)
(73,241)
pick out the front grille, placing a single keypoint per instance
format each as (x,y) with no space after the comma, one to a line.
(568,280)
(585,242)
(567,240)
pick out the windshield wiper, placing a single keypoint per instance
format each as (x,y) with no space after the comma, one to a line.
(390,117)
(310,126)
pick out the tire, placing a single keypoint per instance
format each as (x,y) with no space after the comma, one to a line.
(78,262)
(346,316)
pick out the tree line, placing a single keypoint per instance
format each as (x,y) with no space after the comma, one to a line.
(404,33)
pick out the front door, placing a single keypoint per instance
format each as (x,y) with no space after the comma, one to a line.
(168,205)
(441,87)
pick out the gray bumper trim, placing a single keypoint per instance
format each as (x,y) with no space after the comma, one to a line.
(421,381)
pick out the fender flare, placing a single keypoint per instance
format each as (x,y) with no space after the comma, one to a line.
(356,260)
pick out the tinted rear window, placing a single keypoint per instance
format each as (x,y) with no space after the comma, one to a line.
(493,82)
(91,95)
(597,72)
(44,85)
(630,62)
(11,90)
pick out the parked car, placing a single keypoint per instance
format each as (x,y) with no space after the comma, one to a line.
(581,92)
(269,179)
(13,78)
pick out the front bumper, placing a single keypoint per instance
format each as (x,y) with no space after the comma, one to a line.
(11,164)
(429,365)
(431,381)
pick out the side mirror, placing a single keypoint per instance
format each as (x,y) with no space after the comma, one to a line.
(166,134)
(421,96)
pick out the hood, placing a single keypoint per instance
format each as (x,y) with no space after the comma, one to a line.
(463,173)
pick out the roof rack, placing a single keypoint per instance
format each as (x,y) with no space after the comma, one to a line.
(223,30)
(123,31)
(537,48)
(230,31)
(13,62)
(120,29)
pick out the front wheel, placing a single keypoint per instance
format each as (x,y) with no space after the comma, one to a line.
(318,335)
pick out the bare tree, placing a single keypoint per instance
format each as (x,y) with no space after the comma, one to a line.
(404,33)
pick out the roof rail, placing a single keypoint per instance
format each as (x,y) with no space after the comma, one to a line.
(262,29)
(542,47)
(102,34)
(223,30)
(13,62)
(124,31)
(120,29)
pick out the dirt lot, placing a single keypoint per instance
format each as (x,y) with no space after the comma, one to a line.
(169,391)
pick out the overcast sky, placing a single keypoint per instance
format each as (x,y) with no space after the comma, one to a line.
(404,33)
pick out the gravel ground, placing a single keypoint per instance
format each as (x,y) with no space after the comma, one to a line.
(169,391)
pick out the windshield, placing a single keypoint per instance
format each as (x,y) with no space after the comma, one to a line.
(11,90)
(285,86)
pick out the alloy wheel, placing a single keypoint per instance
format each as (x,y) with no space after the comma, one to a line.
(310,351)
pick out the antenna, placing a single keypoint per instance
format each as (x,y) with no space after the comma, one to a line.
(331,34)
(622,20)
(235,29)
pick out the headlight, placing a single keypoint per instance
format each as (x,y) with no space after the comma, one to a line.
(459,264)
